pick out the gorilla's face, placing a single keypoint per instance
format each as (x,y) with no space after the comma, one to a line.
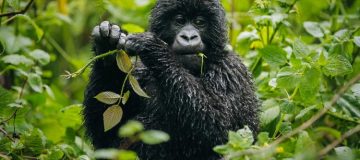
(188,38)
(190,27)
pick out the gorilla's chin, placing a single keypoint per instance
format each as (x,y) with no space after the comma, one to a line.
(191,62)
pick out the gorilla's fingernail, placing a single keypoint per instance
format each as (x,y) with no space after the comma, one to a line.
(104,28)
(121,43)
(123,35)
(114,34)
(96,32)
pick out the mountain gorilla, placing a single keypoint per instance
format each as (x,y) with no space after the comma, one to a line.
(196,110)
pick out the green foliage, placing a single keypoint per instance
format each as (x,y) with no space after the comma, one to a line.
(302,54)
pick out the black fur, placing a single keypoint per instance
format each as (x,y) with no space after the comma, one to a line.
(196,111)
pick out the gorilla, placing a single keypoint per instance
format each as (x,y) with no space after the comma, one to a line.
(196,109)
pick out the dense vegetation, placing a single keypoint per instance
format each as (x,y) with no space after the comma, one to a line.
(304,56)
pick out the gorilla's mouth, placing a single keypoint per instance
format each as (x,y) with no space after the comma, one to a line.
(187,50)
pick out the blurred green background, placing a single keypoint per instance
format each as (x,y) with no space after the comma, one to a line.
(301,53)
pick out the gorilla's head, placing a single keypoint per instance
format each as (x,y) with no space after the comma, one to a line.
(190,27)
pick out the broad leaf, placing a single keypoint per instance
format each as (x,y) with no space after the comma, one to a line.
(123,62)
(288,78)
(314,29)
(337,66)
(243,138)
(304,112)
(40,56)
(125,97)
(274,55)
(269,115)
(108,97)
(16,59)
(344,153)
(310,84)
(136,87)
(112,116)
(127,155)
(35,82)
(154,137)
(300,49)
(130,129)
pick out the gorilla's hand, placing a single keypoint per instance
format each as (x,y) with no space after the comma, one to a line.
(107,37)
(145,44)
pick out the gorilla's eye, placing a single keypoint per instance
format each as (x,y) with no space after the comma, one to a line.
(179,19)
(200,21)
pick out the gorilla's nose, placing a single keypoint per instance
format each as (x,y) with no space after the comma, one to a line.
(189,38)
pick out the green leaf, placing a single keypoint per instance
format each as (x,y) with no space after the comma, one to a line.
(342,35)
(16,59)
(136,87)
(40,56)
(130,129)
(274,55)
(243,138)
(34,142)
(337,65)
(314,29)
(127,155)
(288,78)
(123,62)
(125,97)
(300,49)
(112,116)
(269,115)
(344,153)
(357,40)
(5,97)
(304,112)
(287,107)
(154,137)
(263,138)
(310,84)
(305,146)
(106,154)
(108,97)
(223,149)
(35,82)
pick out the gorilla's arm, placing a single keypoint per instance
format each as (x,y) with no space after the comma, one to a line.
(198,107)
(105,76)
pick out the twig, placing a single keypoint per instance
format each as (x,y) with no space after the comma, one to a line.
(304,126)
(18,12)
(69,75)
(6,134)
(347,134)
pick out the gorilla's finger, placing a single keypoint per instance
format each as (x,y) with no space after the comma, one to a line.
(114,34)
(96,32)
(105,28)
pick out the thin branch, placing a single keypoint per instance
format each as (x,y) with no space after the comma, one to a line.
(18,12)
(69,75)
(6,134)
(304,126)
(347,134)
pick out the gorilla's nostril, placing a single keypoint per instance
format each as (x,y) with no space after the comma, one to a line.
(194,37)
(185,37)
